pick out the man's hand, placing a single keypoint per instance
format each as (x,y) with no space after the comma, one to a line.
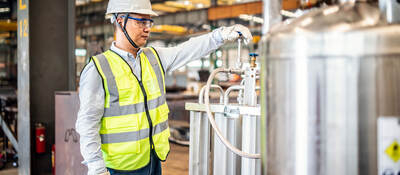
(231,33)
(106,173)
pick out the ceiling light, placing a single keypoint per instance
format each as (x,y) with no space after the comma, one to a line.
(289,14)
(6,9)
(251,18)
(199,5)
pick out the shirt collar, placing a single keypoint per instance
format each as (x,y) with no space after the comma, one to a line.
(124,54)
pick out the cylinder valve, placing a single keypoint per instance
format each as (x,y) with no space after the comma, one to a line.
(253,58)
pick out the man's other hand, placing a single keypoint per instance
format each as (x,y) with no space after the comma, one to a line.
(106,173)
(232,33)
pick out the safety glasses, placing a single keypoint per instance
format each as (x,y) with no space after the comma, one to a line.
(143,22)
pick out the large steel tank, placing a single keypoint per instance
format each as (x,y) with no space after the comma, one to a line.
(329,77)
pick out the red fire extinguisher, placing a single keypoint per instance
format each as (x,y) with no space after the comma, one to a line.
(40,138)
(53,159)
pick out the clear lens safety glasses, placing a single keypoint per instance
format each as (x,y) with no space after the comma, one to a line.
(143,22)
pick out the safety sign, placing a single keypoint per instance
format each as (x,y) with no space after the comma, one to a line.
(393,151)
(388,145)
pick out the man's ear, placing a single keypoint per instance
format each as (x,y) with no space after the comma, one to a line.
(120,21)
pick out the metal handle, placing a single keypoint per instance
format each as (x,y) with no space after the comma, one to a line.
(66,135)
(71,132)
(239,61)
(229,90)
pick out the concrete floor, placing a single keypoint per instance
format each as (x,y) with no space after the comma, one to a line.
(177,162)
(13,171)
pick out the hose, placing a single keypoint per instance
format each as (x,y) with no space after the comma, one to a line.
(211,117)
(221,91)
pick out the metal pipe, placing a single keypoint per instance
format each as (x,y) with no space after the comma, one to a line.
(229,90)
(390,9)
(221,91)
(9,134)
(272,15)
(239,61)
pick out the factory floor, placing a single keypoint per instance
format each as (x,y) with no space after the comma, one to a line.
(177,162)
(12,171)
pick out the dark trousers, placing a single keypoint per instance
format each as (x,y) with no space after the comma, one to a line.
(153,168)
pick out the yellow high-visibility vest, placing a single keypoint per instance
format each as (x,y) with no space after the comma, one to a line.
(135,119)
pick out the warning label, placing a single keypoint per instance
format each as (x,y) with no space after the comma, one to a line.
(389,145)
(393,151)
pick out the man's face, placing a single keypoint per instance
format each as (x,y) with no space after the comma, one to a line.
(139,33)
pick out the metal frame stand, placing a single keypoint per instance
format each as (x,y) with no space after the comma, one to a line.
(239,123)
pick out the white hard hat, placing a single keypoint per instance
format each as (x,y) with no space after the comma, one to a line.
(129,6)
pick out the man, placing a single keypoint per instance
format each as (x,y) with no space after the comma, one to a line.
(123,115)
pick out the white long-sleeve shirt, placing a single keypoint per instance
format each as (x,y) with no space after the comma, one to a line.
(91,92)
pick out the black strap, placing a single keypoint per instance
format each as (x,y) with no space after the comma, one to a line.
(124,30)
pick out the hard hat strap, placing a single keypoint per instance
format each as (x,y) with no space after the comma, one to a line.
(124,30)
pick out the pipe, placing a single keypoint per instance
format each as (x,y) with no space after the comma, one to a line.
(272,14)
(211,117)
(239,60)
(228,91)
(391,10)
(221,91)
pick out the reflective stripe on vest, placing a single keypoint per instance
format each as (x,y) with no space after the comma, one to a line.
(116,109)
(125,126)
(134,135)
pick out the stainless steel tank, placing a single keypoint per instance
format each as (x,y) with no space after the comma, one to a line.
(329,76)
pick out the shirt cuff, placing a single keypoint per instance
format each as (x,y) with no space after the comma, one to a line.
(96,167)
